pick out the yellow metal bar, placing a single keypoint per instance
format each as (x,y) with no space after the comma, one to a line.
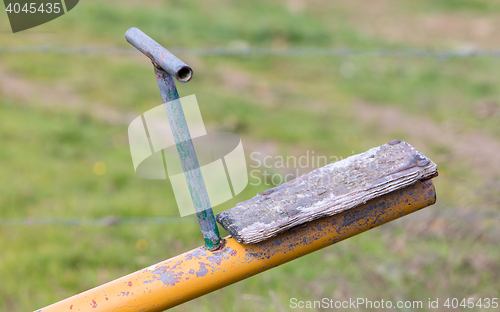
(199,271)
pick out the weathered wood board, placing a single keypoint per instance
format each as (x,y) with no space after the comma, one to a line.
(327,191)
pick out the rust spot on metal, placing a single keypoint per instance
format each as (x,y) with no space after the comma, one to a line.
(216,259)
(219,256)
(218,247)
(168,275)
(197,253)
(202,271)
(150,56)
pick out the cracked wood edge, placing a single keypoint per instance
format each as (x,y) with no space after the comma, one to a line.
(327,191)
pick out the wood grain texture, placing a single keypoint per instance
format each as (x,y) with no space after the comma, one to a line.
(327,191)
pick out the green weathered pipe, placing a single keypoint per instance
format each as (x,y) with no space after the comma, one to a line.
(166,67)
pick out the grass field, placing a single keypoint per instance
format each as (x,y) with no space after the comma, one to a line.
(62,114)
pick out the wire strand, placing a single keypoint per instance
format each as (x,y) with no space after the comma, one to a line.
(115,220)
(260,51)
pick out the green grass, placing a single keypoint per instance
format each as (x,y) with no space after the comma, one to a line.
(54,131)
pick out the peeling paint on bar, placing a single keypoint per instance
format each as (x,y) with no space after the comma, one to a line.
(198,272)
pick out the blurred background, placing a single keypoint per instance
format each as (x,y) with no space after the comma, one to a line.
(74,215)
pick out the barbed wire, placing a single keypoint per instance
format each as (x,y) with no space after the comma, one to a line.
(260,51)
(158,220)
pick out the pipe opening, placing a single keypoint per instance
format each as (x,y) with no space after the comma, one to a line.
(184,74)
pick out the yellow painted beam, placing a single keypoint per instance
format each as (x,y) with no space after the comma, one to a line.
(199,271)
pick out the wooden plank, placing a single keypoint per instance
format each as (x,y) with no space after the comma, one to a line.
(327,191)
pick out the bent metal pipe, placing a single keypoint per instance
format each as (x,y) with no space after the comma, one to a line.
(159,55)
(166,67)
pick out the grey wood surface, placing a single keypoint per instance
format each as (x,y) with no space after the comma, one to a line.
(327,191)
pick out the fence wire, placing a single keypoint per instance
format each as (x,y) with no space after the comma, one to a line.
(158,220)
(260,51)
(104,221)
(246,51)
